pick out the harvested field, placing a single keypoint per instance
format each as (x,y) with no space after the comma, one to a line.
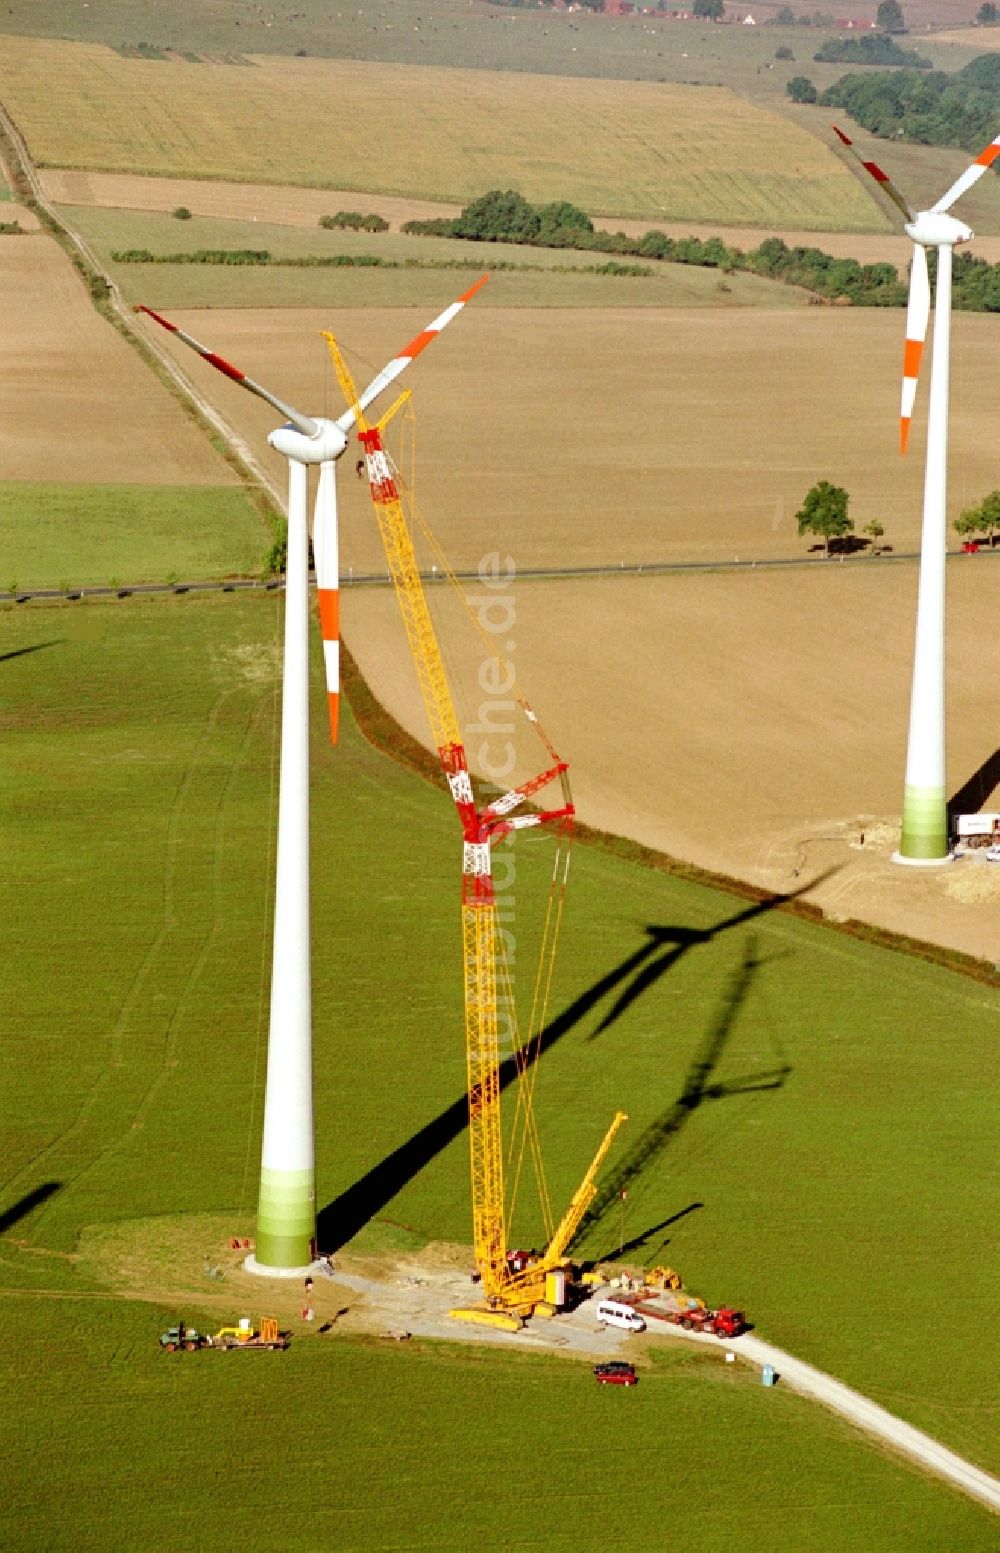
(983,40)
(626,436)
(71,388)
(362,270)
(278,207)
(26,219)
(752,722)
(659,151)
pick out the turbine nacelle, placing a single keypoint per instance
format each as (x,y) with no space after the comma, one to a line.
(326,444)
(306,440)
(935,229)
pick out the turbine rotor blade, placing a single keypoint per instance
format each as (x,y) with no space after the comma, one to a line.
(874,170)
(390,372)
(303,423)
(972,175)
(918,310)
(325,552)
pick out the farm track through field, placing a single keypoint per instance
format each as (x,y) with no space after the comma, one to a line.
(126,318)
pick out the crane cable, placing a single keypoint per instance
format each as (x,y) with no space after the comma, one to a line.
(524,1133)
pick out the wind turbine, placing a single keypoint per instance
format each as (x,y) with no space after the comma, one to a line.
(924,838)
(286,1216)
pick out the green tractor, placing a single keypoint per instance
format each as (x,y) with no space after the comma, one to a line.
(181,1336)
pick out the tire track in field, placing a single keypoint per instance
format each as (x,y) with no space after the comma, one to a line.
(181,844)
(169,1059)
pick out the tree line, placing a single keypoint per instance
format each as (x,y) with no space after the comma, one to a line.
(929,108)
(504,216)
(824,513)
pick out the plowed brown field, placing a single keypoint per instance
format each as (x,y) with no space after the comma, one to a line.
(588,438)
(752,721)
(76,403)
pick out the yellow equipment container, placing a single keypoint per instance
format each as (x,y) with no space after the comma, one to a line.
(555,1287)
(488,1318)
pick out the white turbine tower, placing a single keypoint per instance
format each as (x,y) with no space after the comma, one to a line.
(924,838)
(286,1218)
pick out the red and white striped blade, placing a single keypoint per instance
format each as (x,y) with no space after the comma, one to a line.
(972,175)
(874,170)
(918,310)
(325,546)
(390,372)
(303,422)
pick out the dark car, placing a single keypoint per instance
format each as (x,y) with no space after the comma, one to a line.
(616,1373)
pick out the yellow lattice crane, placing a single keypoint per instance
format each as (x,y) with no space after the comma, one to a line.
(505,1290)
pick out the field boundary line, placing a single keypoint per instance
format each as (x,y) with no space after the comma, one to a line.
(75,592)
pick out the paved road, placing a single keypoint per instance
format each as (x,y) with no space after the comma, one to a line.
(382,580)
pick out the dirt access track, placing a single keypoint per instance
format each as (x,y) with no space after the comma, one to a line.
(413,1295)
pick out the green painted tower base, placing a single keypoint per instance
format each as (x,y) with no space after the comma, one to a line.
(286,1223)
(924,838)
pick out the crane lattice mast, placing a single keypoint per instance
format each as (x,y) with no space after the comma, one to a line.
(482,828)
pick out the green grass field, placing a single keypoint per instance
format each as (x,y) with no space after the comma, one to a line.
(539,277)
(668,152)
(88,535)
(347,1445)
(822,1102)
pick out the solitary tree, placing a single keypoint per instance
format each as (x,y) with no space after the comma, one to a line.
(889,17)
(874,530)
(987,15)
(824,512)
(984,519)
(801,89)
(714,10)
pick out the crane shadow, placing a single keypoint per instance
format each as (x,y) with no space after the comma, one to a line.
(27,1204)
(341,1219)
(698,1087)
(641,1241)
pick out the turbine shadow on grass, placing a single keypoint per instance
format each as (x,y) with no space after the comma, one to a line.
(341,1219)
(27,1204)
(20,652)
(681,939)
(697,1088)
(974,793)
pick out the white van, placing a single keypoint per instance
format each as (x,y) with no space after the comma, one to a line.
(612,1313)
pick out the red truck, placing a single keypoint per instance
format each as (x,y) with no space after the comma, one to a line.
(724,1322)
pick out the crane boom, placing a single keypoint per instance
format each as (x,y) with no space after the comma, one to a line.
(482,828)
(582,1197)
